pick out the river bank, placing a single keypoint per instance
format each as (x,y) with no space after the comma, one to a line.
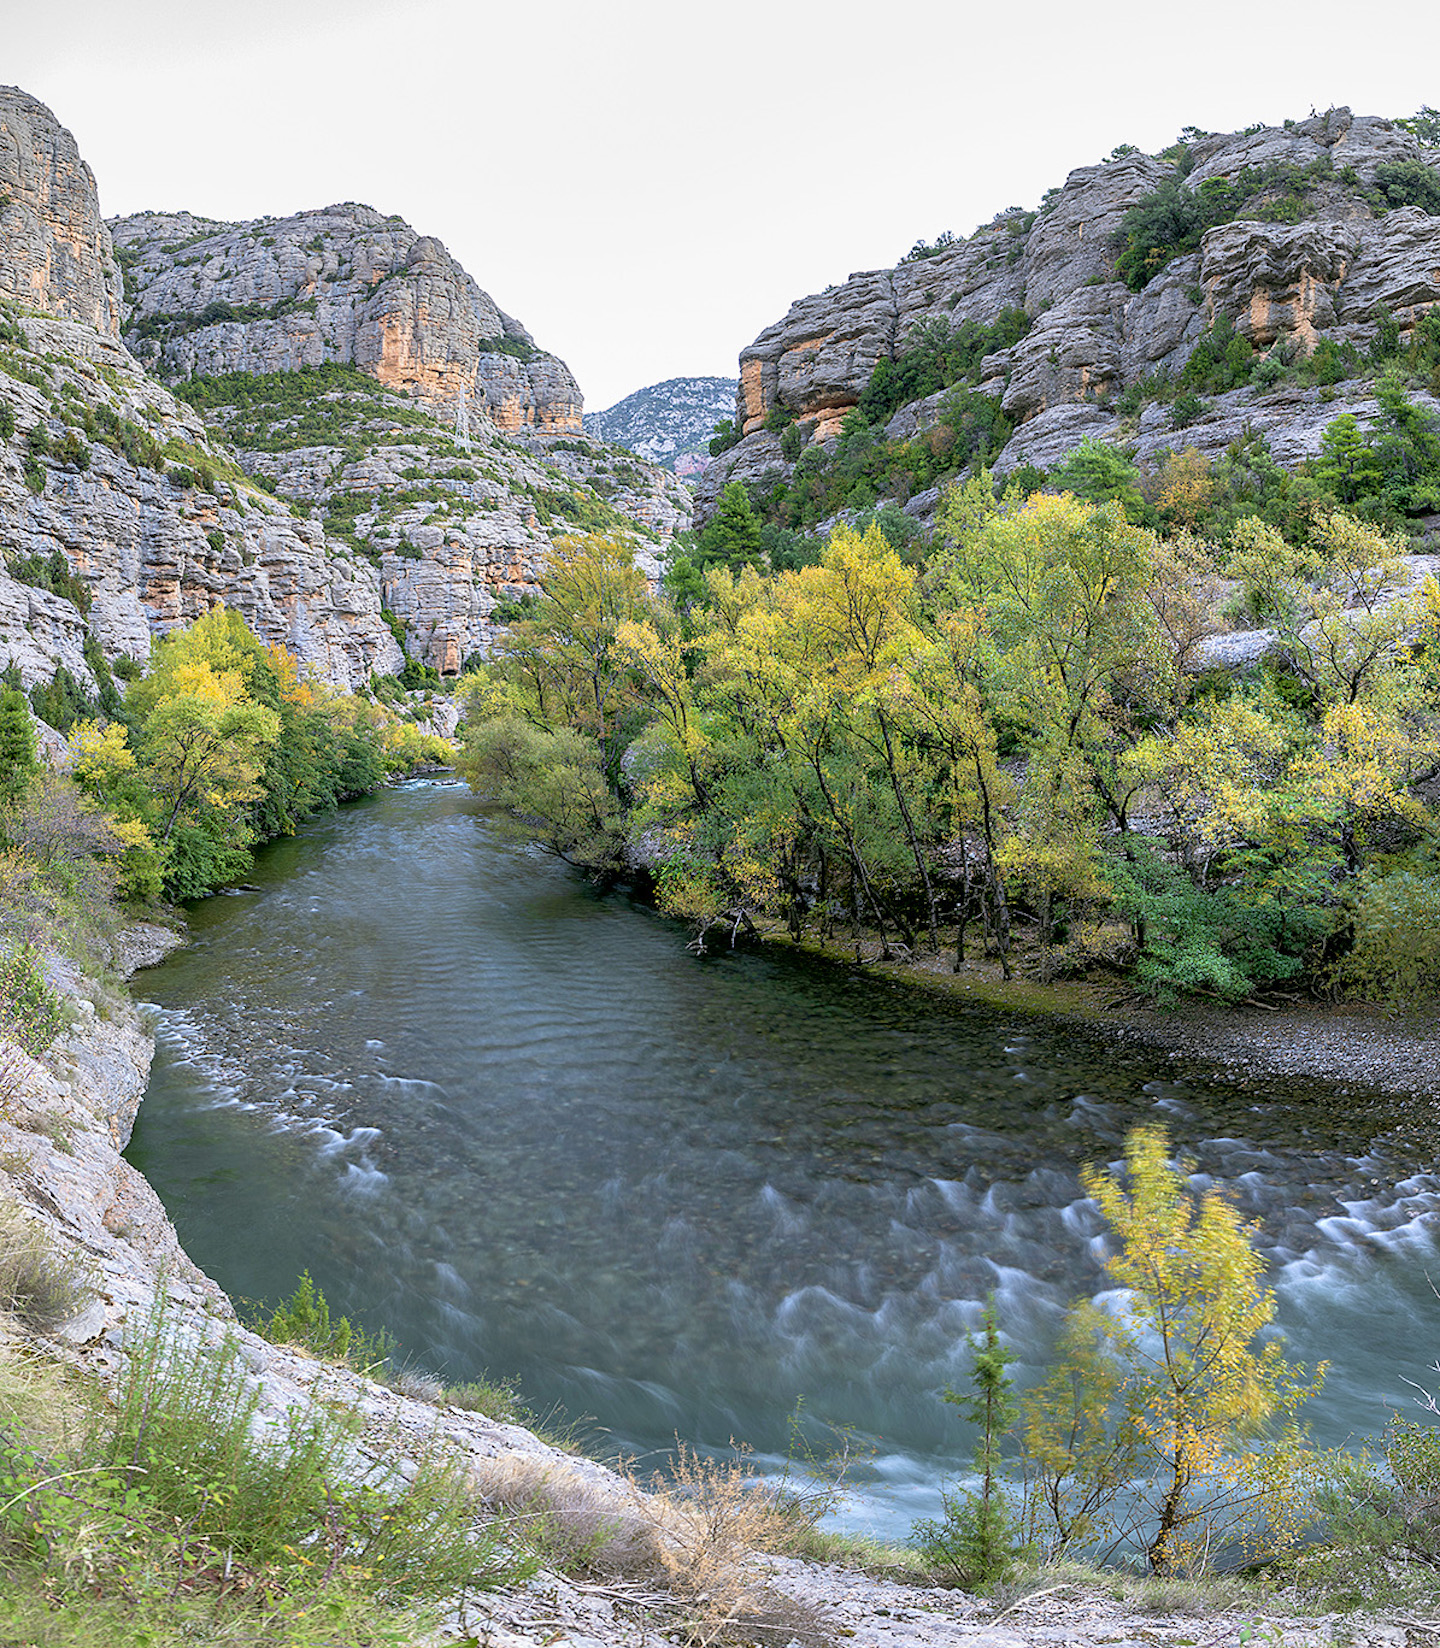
(60,1155)
(1352,1046)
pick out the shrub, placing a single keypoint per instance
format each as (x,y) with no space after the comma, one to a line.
(1395,924)
(52,572)
(31,1014)
(935,356)
(1381,1522)
(497,1399)
(1408,183)
(1186,408)
(304,1320)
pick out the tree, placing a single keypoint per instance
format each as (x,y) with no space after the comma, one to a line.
(1099,472)
(976,1540)
(731,537)
(1204,1401)
(17,745)
(563,659)
(552,781)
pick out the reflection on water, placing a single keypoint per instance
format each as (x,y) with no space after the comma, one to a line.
(517,1124)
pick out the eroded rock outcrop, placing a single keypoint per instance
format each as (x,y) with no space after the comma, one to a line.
(344,284)
(125,511)
(56,252)
(156,524)
(1276,281)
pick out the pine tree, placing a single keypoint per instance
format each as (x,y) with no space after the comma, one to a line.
(732,535)
(976,1541)
(17,745)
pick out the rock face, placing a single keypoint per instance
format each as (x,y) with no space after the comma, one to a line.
(125,512)
(152,544)
(456,514)
(669,423)
(343,284)
(1091,336)
(57,253)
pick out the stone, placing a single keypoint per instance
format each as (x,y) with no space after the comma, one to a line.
(57,250)
(1091,337)
(344,284)
(155,555)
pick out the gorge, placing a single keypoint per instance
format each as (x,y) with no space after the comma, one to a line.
(506,1114)
(512,1120)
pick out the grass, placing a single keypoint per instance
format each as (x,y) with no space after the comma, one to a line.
(183,1510)
(41,1284)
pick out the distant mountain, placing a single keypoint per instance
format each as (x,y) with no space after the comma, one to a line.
(669,423)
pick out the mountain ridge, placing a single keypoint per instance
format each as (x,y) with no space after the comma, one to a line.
(1291,241)
(670,422)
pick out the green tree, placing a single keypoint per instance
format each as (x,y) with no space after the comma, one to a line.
(17,745)
(1098,472)
(731,537)
(975,1542)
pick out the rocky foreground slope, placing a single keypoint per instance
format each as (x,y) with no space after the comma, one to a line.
(1309,251)
(372,449)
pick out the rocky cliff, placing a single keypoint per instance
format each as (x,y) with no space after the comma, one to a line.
(362,374)
(367,436)
(344,284)
(1308,251)
(669,423)
(56,249)
(119,518)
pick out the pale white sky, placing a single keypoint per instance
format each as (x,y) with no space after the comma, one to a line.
(645,185)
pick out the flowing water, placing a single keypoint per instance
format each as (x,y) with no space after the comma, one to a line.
(515,1122)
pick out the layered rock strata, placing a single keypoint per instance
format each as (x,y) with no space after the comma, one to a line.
(156,524)
(56,253)
(342,284)
(1091,336)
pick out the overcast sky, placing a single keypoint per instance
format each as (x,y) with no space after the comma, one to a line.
(645,185)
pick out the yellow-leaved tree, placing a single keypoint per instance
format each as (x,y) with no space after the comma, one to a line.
(1171,1421)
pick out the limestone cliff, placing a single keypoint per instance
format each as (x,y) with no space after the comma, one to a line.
(1309,254)
(365,376)
(55,251)
(349,484)
(343,284)
(108,476)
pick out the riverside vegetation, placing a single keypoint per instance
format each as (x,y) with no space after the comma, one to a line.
(1009,742)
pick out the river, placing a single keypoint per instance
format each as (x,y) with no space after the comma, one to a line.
(515,1122)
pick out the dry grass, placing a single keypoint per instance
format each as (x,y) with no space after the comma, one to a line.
(687,1544)
(576,1519)
(42,1285)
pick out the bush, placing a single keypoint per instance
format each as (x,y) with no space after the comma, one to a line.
(304,1320)
(31,1014)
(936,356)
(52,572)
(1395,925)
(1186,408)
(1381,1521)
(1408,183)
